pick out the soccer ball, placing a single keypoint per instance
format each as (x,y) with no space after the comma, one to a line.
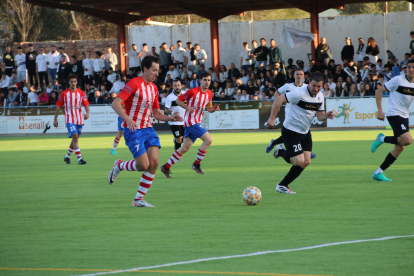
(252,195)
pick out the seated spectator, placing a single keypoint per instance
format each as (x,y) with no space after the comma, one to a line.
(348,81)
(387,73)
(269,75)
(164,95)
(272,93)
(184,87)
(252,77)
(184,71)
(13,79)
(223,76)
(168,80)
(279,79)
(244,97)
(224,97)
(244,77)
(113,96)
(354,91)
(21,99)
(2,98)
(131,74)
(195,82)
(32,97)
(237,95)
(11,98)
(260,85)
(326,90)
(202,70)
(118,85)
(332,85)
(338,92)
(213,75)
(362,91)
(369,90)
(173,73)
(56,86)
(111,75)
(237,82)
(44,98)
(263,96)
(262,76)
(256,95)
(5,82)
(97,99)
(108,98)
(216,89)
(339,73)
(54,97)
(345,92)
(233,72)
(229,90)
(262,69)
(108,84)
(103,90)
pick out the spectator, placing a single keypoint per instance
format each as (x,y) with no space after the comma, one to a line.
(154,52)
(14,80)
(362,91)
(118,85)
(87,65)
(2,98)
(32,97)
(372,50)
(56,86)
(323,52)
(244,77)
(269,76)
(229,90)
(8,60)
(361,52)
(173,73)
(387,73)
(111,75)
(60,58)
(307,77)
(110,58)
(98,67)
(223,77)
(261,52)
(213,74)
(260,85)
(77,69)
(133,58)
(44,98)
(372,83)
(184,71)
(412,42)
(272,93)
(405,61)
(353,91)
(339,73)
(244,97)
(98,99)
(279,79)
(261,68)
(290,64)
(201,55)
(11,97)
(144,52)
(332,67)
(253,78)
(195,82)
(41,67)
(233,72)
(21,99)
(190,58)
(380,66)
(338,92)
(256,94)
(63,73)
(326,90)
(331,83)
(165,60)
(177,55)
(250,88)
(131,74)
(253,57)
(216,89)
(345,92)
(20,60)
(54,98)
(348,50)
(103,90)
(290,76)
(245,58)
(403,69)
(107,98)
(351,71)
(224,97)
(5,82)
(369,90)
(275,53)
(168,82)
(263,96)
(31,65)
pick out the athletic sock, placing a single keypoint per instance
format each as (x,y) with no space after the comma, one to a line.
(128,166)
(78,154)
(177,145)
(200,156)
(144,185)
(294,172)
(116,142)
(277,141)
(389,160)
(379,170)
(70,150)
(390,140)
(173,159)
(285,155)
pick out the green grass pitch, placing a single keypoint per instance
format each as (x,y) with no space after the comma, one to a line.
(59,216)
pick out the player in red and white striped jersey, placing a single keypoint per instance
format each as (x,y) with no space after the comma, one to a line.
(140,96)
(72,100)
(197,100)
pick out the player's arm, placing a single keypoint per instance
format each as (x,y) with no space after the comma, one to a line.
(167,111)
(158,115)
(117,107)
(211,108)
(88,112)
(183,105)
(322,116)
(55,121)
(378,99)
(275,109)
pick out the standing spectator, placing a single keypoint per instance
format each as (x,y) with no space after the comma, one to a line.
(87,65)
(144,52)
(275,53)
(372,50)
(348,50)
(154,52)
(8,59)
(110,58)
(189,58)
(165,60)
(98,68)
(412,42)
(233,72)
(41,67)
(32,97)
(11,97)
(261,53)
(60,58)
(20,60)
(134,58)
(77,69)
(254,47)
(323,52)
(52,57)
(245,58)
(361,52)
(31,65)
(201,56)
(177,55)
(44,98)
(21,99)
(63,73)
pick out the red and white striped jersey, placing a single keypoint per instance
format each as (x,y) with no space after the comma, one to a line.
(140,98)
(198,101)
(72,103)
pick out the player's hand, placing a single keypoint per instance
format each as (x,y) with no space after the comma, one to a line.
(190,109)
(176,118)
(330,115)
(131,125)
(270,123)
(216,107)
(380,115)
(55,123)
(86,117)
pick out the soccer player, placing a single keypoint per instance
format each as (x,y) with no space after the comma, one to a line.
(140,96)
(197,100)
(401,90)
(299,76)
(305,102)
(171,107)
(118,136)
(72,100)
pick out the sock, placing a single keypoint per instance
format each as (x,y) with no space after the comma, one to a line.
(388,161)
(379,170)
(200,156)
(144,185)
(116,142)
(128,166)
(177,145)
(278,141)
(174,158)
(70,150)
(78,154)
(285,155)
(390,140)
(294,172)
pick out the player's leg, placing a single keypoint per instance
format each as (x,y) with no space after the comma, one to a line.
(176,156)
(202,151)
(273,143)
(75,139)
(118,137)
(73,134)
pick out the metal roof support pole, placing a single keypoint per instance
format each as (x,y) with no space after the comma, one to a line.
(215,45)
(314,25)
(121,47)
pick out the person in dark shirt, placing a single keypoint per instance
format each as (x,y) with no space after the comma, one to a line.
(233,72)
(261,53)
(372,50)
(65,70)
(31,65)
(339,73)
(275,54)
(323,52)
(348,50)
(412,42)
(77,69)
(8,59)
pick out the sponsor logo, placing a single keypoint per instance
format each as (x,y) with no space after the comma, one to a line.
(343,111)
(226,106)
(23,124)
(315,121)
(260,105)
(364,116)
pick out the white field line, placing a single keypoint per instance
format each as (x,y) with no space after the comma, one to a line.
(245,255)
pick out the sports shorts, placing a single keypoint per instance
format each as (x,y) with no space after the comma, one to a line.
(399,125)
(194,132)
(73,129)
(296,143)
(120,127)
(177,130)
(140,140)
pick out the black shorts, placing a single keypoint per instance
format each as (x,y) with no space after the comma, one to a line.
(399,125)
(177,130)
(296,143)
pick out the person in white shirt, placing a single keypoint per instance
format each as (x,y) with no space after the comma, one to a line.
(178,54)
(110,58)
(51,63)
(87,65)
(213,75)
(60,59)
(98,68)
(32,97)
(201,56)
(244,96)
(20,60)
(118,85)
(111,76)
(144,52)
(173,72)
(134,58)
(5,81)
(245,58)
(361,52)
(41,67)
(244,77)
(184,71)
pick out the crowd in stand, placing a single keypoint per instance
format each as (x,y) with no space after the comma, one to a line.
(35,78)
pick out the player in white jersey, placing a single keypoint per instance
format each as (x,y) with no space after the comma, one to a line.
(171,107)
(401,90)
(298,75)
(305,104)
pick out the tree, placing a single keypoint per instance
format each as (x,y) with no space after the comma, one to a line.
(371,8)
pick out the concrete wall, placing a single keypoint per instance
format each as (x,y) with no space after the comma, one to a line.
(232,35)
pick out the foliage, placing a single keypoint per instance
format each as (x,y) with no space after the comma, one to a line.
(370,8)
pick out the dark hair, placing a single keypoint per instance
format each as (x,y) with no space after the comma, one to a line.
(412,33)
(20,47)
(410,61)
(299,69)
(72,76)
(254,41)
(177,79)
(74,57)
(317,76)
(244,43)
(379,60)
(205,75)
(148,60)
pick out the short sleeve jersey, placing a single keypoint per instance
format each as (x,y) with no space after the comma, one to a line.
(302,109)
(21,62)
(287,88)
(72,103)
(401,96)
(41,62)
(140,99)
(245,54)
(172,104)
(198,101)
